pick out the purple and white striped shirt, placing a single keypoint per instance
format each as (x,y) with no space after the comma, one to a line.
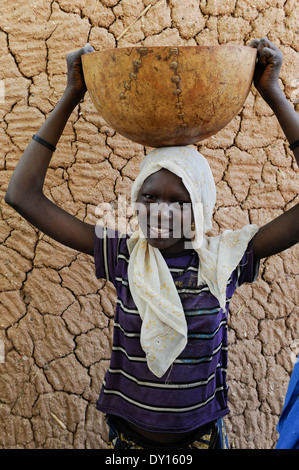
(193,391)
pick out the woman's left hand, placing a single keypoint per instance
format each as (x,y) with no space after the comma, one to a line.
(267,68)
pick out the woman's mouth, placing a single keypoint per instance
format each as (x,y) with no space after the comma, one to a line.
(158,232)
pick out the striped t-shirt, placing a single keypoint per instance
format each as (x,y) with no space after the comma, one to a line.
(193,391)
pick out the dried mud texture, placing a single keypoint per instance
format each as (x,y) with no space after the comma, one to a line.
(56,318)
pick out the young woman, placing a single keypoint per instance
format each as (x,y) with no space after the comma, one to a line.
(166,384)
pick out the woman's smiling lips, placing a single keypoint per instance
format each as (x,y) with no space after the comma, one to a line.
(159,232)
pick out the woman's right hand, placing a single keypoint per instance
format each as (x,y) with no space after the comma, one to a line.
(75,79)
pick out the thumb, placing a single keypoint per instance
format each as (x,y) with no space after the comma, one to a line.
(87,48)
(254,43)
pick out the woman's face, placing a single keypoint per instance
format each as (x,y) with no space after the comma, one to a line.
(165,211)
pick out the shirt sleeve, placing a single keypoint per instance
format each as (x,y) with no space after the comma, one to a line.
(106,245)
(248,268)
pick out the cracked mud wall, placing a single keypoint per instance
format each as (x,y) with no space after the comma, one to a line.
(56,318)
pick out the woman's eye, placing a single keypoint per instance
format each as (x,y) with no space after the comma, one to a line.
(181,203)
(183,206)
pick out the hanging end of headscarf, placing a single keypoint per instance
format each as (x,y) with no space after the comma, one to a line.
(159,364)
(220,256)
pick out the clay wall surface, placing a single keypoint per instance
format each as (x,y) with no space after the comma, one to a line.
(56,318)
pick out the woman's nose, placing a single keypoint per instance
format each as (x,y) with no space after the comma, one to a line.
(160,211)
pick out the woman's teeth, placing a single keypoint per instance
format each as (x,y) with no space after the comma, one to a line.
(157,232)
(160,230)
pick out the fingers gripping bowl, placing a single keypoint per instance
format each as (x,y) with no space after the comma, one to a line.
(164,96)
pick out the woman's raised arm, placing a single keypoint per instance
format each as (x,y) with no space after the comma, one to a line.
(25,189)
(282,232)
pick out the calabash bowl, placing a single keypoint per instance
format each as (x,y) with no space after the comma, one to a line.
(164,96)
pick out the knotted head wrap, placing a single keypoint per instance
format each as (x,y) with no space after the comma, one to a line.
(164,327)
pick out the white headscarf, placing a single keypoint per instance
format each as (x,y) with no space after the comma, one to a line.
(164,327)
